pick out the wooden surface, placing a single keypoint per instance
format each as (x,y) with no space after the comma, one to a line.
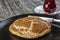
(10,8)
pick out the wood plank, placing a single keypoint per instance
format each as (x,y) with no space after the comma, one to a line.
(10,8)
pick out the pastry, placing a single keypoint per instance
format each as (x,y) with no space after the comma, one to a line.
(30,27)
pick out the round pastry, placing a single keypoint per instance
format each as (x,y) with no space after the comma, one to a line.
(30,27)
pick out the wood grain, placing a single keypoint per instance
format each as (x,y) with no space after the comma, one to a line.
(10,8)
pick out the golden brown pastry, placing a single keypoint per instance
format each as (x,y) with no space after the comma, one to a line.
(30,27)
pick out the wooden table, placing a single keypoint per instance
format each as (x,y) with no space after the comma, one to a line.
(10,8)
